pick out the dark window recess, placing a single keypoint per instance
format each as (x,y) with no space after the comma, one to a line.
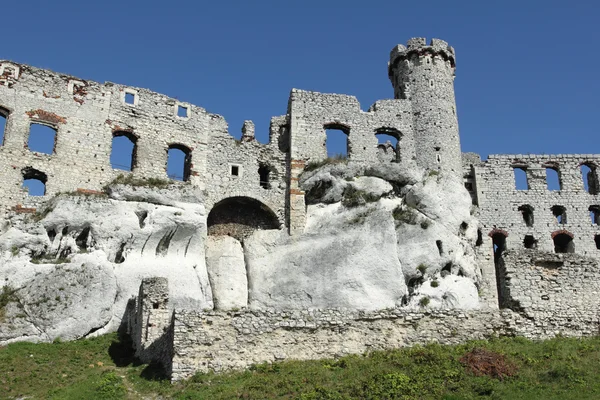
(469,186)
(595,214)
(527,213)
(563,243)
(440,247)
(264,176)
(529,242)
(479,241)
(235,170)
(42,138)
(560,213)
(597,241)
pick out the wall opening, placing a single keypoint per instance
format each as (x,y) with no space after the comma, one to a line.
(235,170)
(560,213)
(182,111)
(595,214)
(124,151)
(553,178)
(527,213)
(264,174)
(440,247)
(179,162)
(597,241)
(521,182)
(563,243)
(42,138)
(388,148)
(590,178)
(129,98)
(34,181)
(529,242)
(499,246)
(479,240)
(239,217)
(337,142)
(3,120)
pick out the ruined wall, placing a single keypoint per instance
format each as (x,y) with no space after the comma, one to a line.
(545,295)
(493,187)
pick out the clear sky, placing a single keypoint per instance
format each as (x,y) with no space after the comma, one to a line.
(527,78)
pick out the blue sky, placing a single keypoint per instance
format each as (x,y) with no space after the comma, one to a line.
(527,71)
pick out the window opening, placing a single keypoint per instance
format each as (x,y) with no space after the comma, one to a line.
(129,98)
(3,119)
(179,162)
(263,173)
(337,142)
(34,181)
(182,111)
(440,247)
(563,243)
(590,179)
(479,241)
(499,246)
(123,152)
(529,242)
(42,138)
(560,213)
(553,179)
(595,214)
(235,170)
(527,212)
(597,241)
(387,144)
(521,182)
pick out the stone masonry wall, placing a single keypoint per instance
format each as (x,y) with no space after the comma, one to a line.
(493,187)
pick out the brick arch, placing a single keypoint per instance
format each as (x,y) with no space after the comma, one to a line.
(496,231)
(210,203)
(561,232)
(239,217)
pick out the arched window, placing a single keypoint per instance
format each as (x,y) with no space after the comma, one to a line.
(34,181)
(527,212)
(521,182)
(590,178)
(42,138)
(387,147)
(123,152)
(238,217)
(563,243)
(179,162)
(553,181)
(264,173)
(3,119)
(560,213)
(337,142)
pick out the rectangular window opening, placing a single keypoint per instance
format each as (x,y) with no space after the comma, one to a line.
(521,182)
(235,170)
(182,111)
(129,98)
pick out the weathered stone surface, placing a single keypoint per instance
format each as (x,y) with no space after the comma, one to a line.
(227,272)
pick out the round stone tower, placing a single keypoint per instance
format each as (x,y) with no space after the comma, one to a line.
(424,75)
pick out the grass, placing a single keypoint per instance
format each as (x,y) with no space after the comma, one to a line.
(353,197)
(7,295)
(405,215)
(337,159)
(505,368)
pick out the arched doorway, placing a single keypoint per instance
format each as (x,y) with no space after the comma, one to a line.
(239,217)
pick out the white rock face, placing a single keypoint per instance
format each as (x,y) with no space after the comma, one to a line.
(227,272)
(345,259)
(105,248)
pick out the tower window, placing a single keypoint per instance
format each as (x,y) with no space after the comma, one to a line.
(560,213)
(179,162)
(595,214)
(123,151)
(235,170)
(3,120)
(337,141)
(527,212)
(521,182)
(264,176)
(553,179)
(182,111)
(590,178)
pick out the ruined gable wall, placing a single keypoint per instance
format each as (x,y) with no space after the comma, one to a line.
(85,115)
(499,200)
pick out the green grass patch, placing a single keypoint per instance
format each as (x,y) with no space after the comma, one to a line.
(505,368)
(353,197)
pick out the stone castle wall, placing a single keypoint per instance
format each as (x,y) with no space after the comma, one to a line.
(544,295)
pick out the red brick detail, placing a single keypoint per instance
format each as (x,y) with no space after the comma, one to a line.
(496,230)
(558,232)
(19,209)
(46,116)
(296,191)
